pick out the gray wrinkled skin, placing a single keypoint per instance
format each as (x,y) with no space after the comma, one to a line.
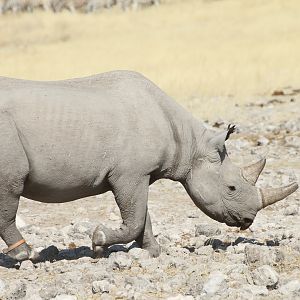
(117,132)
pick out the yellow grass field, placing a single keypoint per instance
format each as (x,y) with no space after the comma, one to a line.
(193,49)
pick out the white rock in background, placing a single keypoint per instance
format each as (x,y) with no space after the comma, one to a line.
(216,283)
(20,222)
(265,275)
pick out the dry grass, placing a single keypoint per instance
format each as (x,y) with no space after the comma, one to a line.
(193,49)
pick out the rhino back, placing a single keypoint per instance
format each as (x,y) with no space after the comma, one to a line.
(75,133)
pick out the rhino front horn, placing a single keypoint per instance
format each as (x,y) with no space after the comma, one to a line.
(252,172)
(272,195)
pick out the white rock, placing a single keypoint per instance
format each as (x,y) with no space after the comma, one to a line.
(290,288)
(2,287)
(216,283)
(120,260)
(265,275)
(138,253)
(27,265)
(207,229)
(20,222)
(255,290)
(291,210)
(102,286)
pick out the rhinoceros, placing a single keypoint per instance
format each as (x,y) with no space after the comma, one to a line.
(119,132)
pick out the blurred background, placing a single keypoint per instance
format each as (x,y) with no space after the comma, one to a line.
(208,55)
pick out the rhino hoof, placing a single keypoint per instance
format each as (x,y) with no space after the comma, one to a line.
(100,251)
(154,250)
(99,237)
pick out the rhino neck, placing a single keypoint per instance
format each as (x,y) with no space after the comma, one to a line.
(187,134)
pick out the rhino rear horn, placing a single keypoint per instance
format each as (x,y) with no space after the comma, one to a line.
(252,172)
(273,195)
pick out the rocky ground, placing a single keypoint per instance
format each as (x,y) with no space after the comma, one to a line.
(201,259)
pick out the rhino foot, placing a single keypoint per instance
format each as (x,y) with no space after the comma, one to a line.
(100,251)
(153,249)
(21,253)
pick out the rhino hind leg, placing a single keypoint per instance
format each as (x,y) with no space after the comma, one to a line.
(132,201)
(146,239)
(14,169)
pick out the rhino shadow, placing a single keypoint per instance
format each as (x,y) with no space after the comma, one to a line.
(219,245)
(52,254)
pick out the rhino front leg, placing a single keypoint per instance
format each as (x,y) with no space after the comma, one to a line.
(146,239)
(132,198)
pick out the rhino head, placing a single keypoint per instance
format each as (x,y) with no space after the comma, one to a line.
(224,191)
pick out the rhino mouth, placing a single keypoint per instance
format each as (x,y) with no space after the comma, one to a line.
(246,224)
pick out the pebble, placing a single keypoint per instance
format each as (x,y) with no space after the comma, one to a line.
(2,287)
(265,276)
(27,265)
(20,222)
(255,290)
(259,255)
(216,283)
(291,288)
(207,230)
(101,287)
(120,260)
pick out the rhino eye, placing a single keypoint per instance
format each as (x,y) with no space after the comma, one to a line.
(232,187)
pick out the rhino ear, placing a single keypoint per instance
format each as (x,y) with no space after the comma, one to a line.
(218,141)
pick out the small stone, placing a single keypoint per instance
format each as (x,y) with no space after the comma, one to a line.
(207,230)
(256,290)
(259,255)
(292,287)
(266,276)
(120,260)
(138,254)
(20,222)
(102,286)
(291,210)
(262,141)
(27,265)
(2,287)
(16,290)
(48,292)
(293,141)
(114,217)
(215,284)
(84,228)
